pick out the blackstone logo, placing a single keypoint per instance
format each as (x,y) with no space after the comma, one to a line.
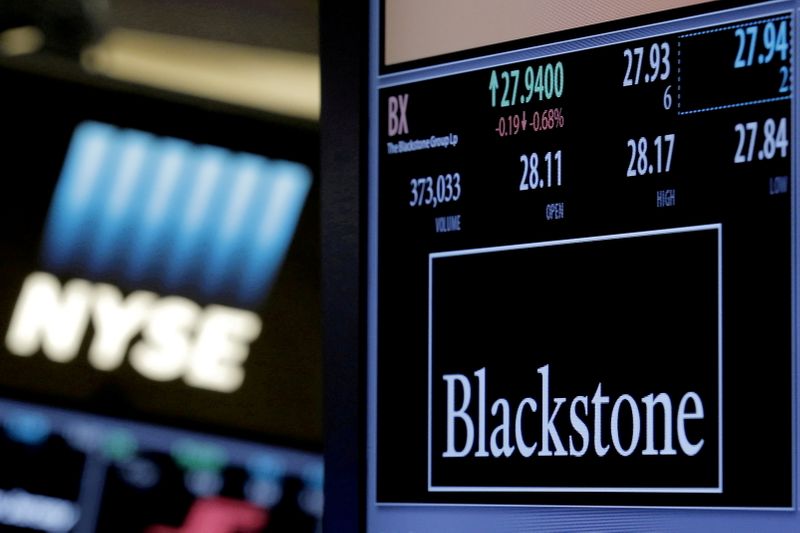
(587,415)
(587,368)
(142,228)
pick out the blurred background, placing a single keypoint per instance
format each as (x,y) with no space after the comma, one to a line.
(160,352)
(258,53)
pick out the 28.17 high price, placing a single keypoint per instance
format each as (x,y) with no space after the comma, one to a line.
(650,156)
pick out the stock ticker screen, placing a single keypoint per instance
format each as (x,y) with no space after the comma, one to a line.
(159,313)
(583,268)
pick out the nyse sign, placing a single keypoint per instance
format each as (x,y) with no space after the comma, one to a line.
(165,338)
(139,230)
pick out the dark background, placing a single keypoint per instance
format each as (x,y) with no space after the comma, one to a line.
(638,315)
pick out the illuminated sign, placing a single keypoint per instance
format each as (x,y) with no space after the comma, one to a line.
(198,221)
(158,225)
(178,338)
(581,269)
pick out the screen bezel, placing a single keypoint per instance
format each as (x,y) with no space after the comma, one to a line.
(344,135)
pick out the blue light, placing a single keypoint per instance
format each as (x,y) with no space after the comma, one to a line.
(28,428)
(200,221)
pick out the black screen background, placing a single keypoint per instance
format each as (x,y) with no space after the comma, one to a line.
(600,116)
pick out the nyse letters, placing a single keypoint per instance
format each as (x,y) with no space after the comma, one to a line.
(165,338)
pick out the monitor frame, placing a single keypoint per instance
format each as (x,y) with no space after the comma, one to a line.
(346,132)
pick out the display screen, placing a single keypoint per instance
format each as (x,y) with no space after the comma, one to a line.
(159,358)
(582,281)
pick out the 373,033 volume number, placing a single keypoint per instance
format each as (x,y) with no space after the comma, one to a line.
(427,191)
